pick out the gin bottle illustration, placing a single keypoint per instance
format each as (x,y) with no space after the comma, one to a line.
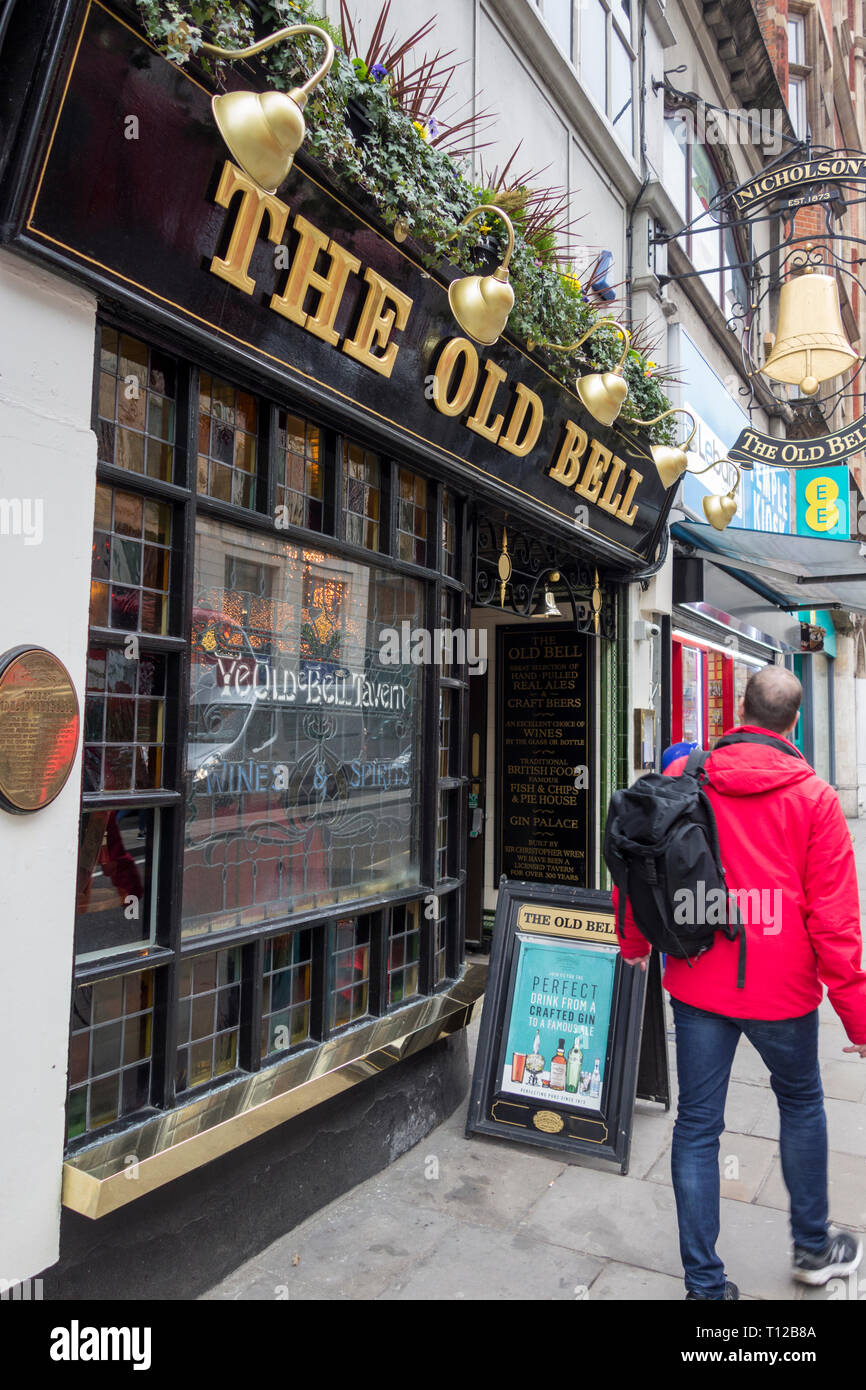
(558,1068)
(535,1062)
(572,1070)
(595,1080)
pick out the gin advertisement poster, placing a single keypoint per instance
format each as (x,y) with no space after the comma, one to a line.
(558,1028)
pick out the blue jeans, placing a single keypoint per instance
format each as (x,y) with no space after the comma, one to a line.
(706,1044)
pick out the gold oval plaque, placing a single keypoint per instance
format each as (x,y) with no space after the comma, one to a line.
(548,1121)
(39,725)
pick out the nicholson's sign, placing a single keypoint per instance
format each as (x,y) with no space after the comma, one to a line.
(315,299)
(787,181)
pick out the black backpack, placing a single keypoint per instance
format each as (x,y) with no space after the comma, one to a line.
(660,839)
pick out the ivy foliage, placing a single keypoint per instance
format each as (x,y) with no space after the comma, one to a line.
(405,176)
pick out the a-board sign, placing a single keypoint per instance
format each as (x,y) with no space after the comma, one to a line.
(560,1037)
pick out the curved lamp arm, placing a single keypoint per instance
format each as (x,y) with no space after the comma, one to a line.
(675,410)
(600,323)
(696,472)
(489,208)
(302,93)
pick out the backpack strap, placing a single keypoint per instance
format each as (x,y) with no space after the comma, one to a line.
(767,739)
(695,763)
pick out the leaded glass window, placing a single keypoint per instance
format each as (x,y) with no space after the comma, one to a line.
(227,442)
(349,971)
(110,1051)
(208,1017)
(362,496)
(135,428)
(287,988)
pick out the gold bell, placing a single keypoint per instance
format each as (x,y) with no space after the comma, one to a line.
(550,608)
(602,393)
(481,303)
(810,345)
(670,460)
(264,131)
(719,511)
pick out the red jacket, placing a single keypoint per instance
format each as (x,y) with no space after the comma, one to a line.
(781,831)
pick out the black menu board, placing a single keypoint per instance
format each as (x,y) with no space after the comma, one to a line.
(543,738)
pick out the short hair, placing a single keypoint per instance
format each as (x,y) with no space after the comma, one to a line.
(772,699)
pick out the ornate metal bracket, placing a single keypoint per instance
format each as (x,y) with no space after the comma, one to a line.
(512,566)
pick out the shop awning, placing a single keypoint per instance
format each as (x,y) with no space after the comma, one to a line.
(793,571)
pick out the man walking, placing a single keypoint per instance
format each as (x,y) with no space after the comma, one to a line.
(782,833)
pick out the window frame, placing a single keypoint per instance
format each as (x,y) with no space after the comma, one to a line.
(170,951)
(685,242)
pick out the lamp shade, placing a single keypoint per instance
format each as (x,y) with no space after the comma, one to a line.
(263,132)
(481,305)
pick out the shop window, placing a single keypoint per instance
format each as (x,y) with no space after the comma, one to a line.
(115,888)
(227,440)
(131,562)
(300,480)
(287,992)
(208,1017)
(124,721)
(404,946)
(307,794)
(110,1051)
(136,410)
(361,496)
(349,971)
(306,787)
(411,517)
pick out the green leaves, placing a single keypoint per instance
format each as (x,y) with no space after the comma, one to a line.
(405,176)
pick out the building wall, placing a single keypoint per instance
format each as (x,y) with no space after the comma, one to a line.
(48,448)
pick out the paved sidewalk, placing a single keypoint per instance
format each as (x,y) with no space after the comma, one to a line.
(479,1219)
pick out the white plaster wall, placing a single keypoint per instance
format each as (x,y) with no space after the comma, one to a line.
(845,712)
(47,451)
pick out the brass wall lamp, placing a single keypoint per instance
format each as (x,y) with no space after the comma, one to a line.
(265,130)
(670,460)
(481,303)
(721,510)
(602,393)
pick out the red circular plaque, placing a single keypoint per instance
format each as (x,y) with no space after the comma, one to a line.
(39,724)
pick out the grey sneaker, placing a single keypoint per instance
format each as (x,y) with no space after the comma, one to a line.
(841,1255)
(731,1292)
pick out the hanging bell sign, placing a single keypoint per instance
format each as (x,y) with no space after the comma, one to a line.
(265,130)
(810,345)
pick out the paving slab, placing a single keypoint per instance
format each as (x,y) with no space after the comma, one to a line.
(744,1165)
(356,1248)
(492,1184)
(847,1189)
(478,1263)
(628,1283)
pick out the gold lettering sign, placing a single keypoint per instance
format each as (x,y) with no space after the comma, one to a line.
(39,723)
(578,926)
(385,309)
(508,414)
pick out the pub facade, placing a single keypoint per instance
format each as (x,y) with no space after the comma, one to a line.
(344,599)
